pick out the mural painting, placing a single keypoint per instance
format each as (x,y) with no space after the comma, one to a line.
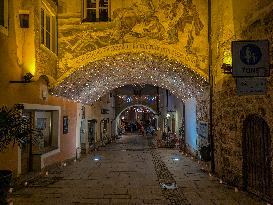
(174,25)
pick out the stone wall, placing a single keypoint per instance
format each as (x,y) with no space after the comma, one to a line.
(202,109)
(46,62)
(229,109)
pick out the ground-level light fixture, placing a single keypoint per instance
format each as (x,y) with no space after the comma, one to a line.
(175,158)
(96,158)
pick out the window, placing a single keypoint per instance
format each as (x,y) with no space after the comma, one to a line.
(96,10)
(46,121)
(48,29)
(4,15)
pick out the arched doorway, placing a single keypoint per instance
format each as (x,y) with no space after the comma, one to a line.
(136,115)
(257,156)
(89,83)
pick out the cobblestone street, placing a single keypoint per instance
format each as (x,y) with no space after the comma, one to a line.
(130,171)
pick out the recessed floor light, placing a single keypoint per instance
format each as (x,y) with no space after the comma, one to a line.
(96,158)
(175,158)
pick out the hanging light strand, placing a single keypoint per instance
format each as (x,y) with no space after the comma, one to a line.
(94,80)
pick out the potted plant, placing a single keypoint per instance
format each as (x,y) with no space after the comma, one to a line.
(16,129)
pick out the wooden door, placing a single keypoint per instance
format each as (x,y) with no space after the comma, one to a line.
(257,171)
(91,131)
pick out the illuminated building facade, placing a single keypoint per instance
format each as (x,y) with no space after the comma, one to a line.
(80,51)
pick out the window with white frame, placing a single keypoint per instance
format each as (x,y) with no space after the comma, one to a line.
(4,15)
(96,10)
(46,118)
(47,122)
(48,28)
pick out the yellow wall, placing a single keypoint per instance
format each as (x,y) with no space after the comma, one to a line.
(9,159)
(21,52)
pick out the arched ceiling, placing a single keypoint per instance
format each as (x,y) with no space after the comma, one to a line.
(90,82)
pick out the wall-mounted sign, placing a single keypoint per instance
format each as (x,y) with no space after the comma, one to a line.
(203,134)
(251,86)
(250,58)
(203,129)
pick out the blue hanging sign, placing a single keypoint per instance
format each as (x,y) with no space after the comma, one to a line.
(250,58)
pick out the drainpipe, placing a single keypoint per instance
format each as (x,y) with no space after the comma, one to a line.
(211,139)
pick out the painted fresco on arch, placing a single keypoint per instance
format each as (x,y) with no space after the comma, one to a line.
(162,21)
(174,23)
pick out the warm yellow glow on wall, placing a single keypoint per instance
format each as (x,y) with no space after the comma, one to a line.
(227,58)
(30,67)
(29,56)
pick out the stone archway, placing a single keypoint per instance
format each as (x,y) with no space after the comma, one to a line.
(153,111)
(117,117)
(89,83)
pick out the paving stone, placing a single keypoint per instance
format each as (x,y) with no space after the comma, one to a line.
(129,173)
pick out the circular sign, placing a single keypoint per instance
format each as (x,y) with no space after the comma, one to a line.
(250,54)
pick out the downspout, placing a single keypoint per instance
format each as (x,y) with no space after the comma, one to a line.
(157,99)
(211,138)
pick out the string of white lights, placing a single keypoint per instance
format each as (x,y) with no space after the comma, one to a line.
(94,80)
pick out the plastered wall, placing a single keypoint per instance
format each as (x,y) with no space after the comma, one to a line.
(21,52)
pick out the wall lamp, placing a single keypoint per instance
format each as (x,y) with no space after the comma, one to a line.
(227,69)
(26,79)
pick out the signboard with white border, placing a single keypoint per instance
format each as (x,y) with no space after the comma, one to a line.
(250,58)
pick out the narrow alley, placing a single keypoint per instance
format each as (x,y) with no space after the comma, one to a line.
(130,171)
